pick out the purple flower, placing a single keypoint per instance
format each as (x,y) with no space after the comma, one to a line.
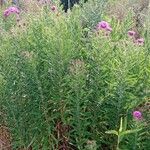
(53,8)
(131,33)
(103,25)
(11,10)
(140,41)
(137,115)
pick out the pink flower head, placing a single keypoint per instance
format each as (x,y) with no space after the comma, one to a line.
(53,8)
(140,41)
(131,33)
(103,25)
(137,115)
(11,10)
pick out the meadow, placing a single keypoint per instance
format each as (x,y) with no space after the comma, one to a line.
(75,80)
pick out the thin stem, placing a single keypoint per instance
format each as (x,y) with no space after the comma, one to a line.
(118,141)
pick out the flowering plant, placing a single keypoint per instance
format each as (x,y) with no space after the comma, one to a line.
(11,10)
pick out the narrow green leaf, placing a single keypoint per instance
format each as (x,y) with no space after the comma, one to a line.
(112,132)
(121,125)
(129,131)
(125,124)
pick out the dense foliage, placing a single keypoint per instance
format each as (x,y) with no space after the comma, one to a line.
(66,84)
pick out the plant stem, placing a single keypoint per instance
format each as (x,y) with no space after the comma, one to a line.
(118,141)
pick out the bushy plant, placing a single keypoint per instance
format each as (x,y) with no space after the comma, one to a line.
(63,89)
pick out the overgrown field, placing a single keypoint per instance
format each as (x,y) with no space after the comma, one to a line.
(73,81)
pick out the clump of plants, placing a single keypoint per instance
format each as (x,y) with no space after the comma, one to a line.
(66,83)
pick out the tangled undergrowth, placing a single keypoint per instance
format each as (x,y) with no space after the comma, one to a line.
(73,81)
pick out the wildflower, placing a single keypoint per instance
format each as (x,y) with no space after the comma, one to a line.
(137,115)
(131,33)
(53,8)
(11,10)
(140,41)
(103,25)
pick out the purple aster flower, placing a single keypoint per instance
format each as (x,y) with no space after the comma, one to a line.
(103,25)
(53,8)
(131,33)
(11,10)
(140,41)
(137,115)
